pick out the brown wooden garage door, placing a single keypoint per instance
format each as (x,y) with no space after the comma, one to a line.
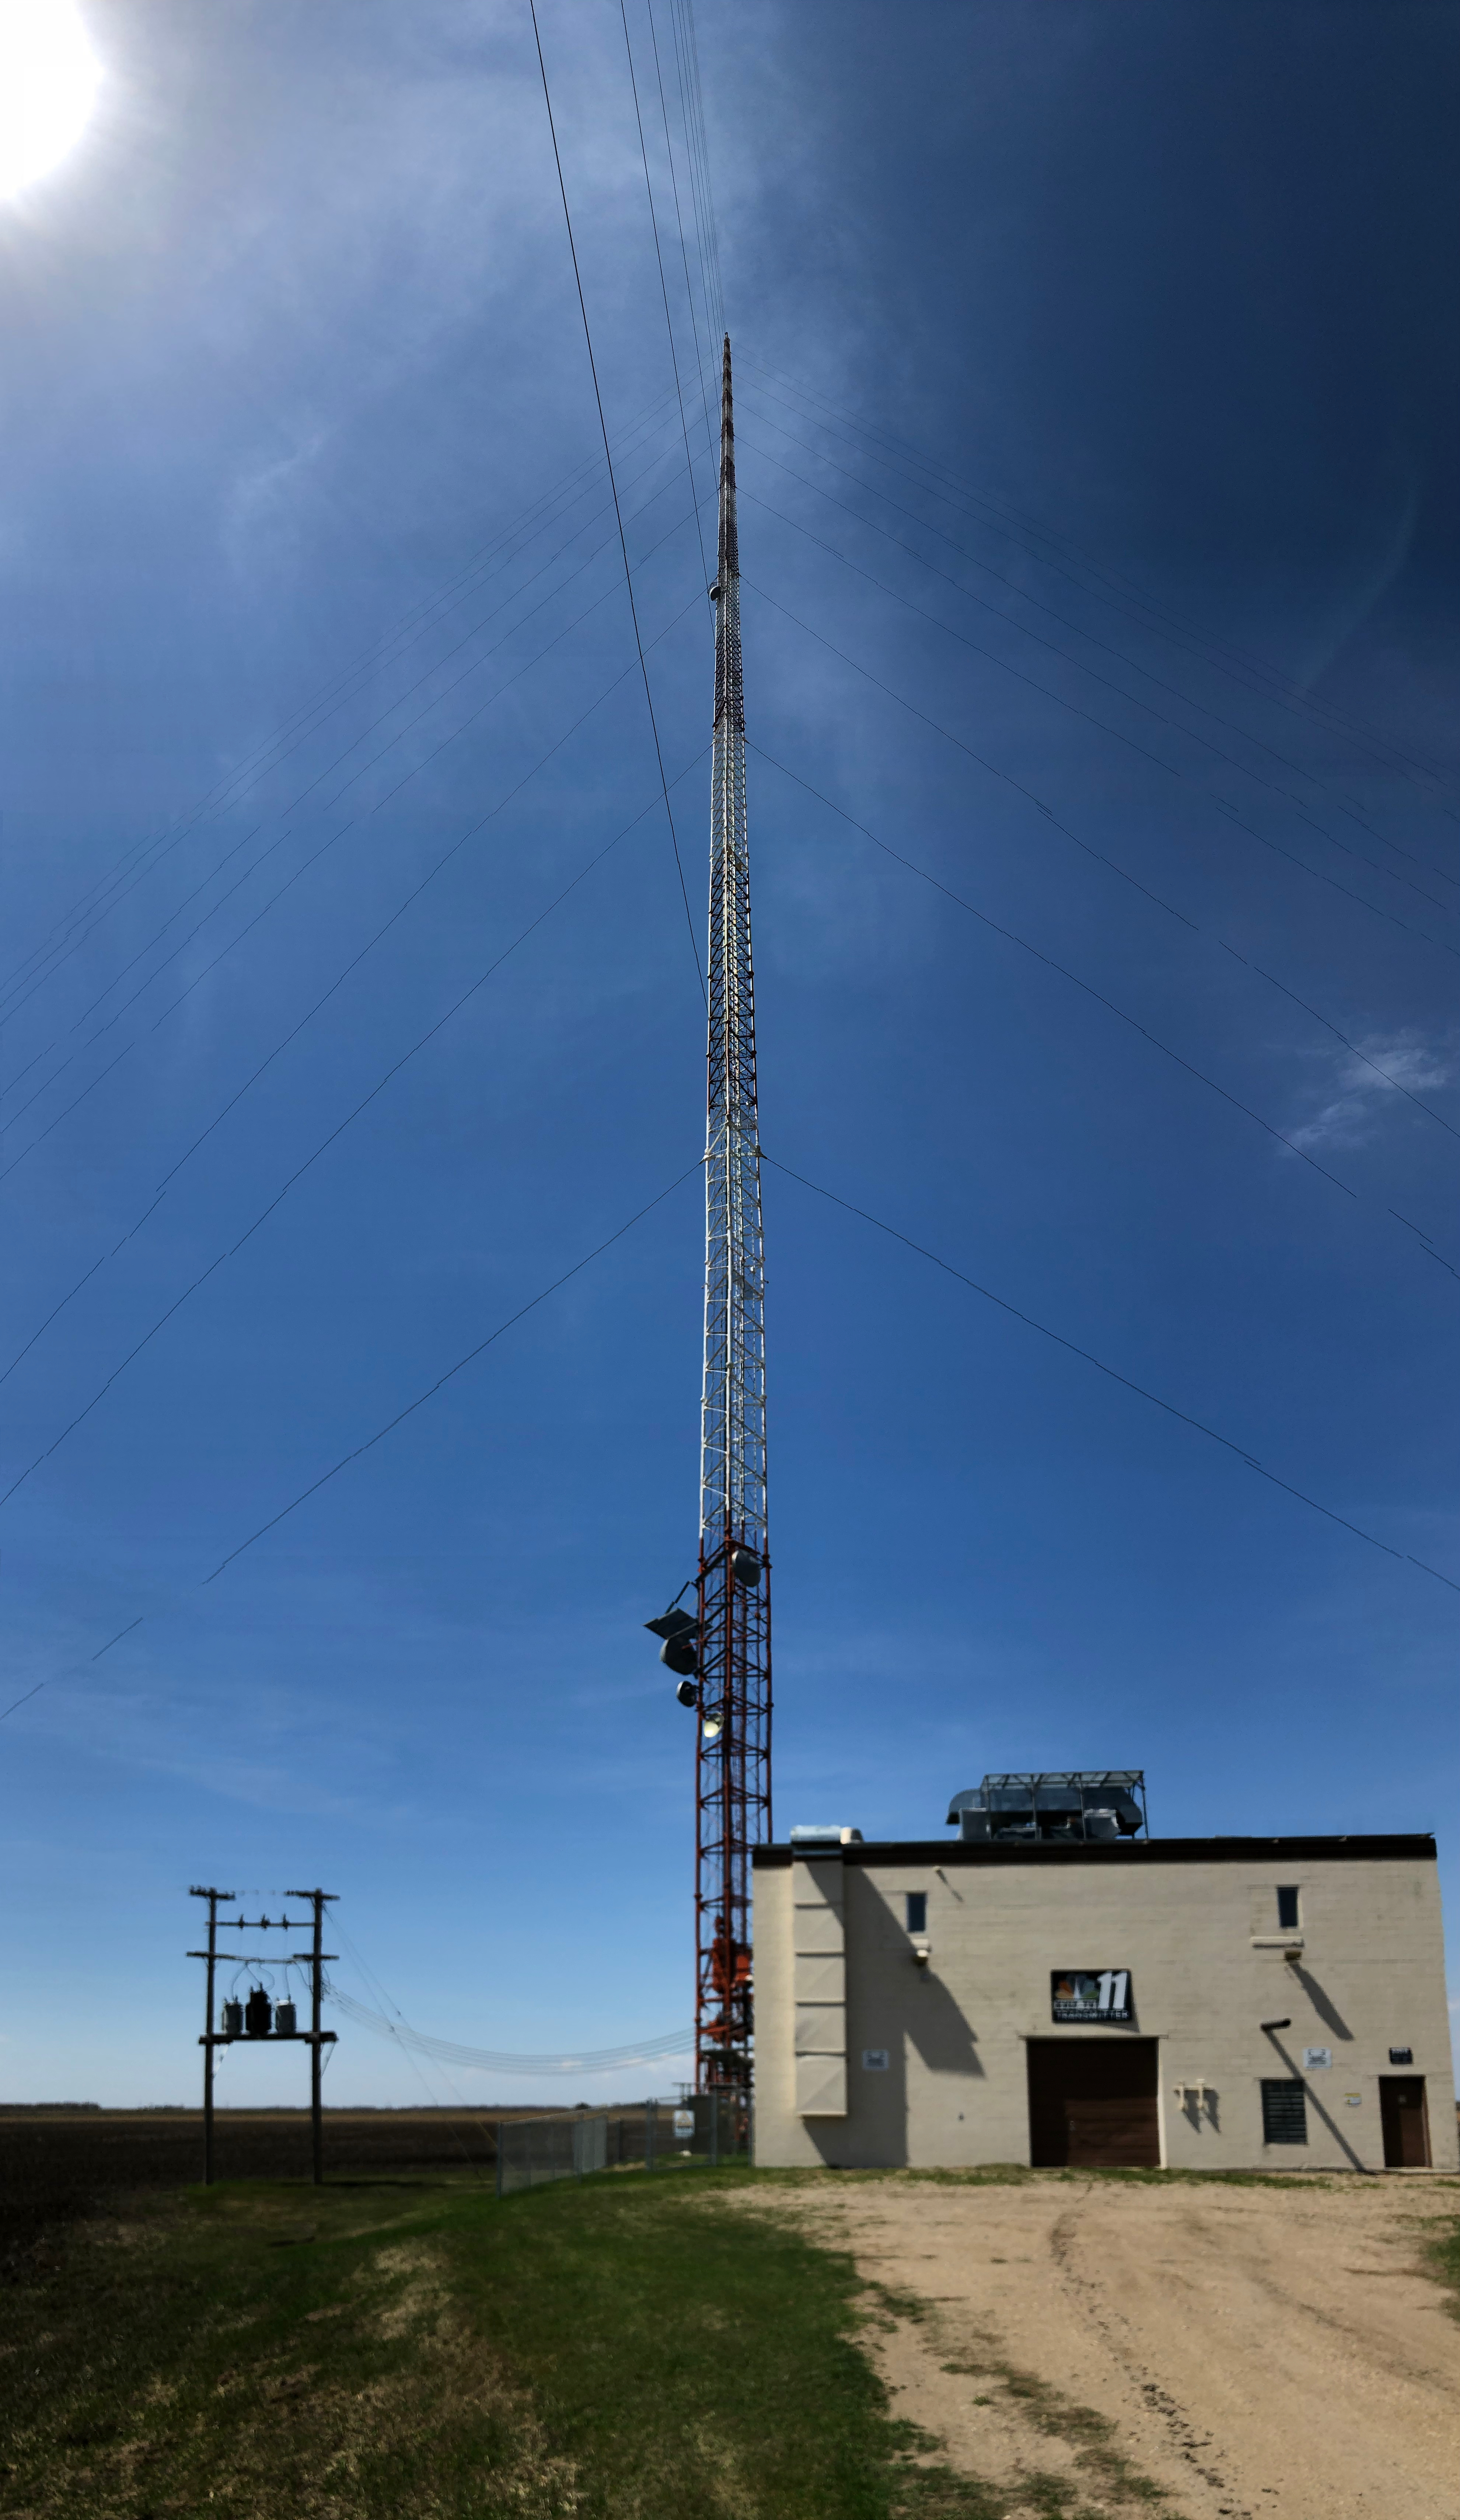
(1092,2104)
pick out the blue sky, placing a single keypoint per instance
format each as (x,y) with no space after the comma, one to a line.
(1097,401)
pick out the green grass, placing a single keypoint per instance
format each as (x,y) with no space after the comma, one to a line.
(1444,2257)
(622,2347)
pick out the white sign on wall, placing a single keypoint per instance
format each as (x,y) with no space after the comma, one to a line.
(1315,2060)
(1090,1995)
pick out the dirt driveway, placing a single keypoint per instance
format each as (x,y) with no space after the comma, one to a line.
(1252,2349)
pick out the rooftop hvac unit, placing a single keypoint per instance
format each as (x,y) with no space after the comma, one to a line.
(1064,1806)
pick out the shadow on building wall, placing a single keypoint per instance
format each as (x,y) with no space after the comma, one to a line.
(897,2007)
(1324,2006)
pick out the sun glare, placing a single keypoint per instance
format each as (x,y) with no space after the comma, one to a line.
(49,77)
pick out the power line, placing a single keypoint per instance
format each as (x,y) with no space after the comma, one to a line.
(451,592)
(403,2037)
(1127,877)
(674,356)
(685,15)
(1055,649)
(1285,695)
(693,118)
(390,710)
(383,1431)
(1010,781)
(1036,604)
(313,1157)
(451,1371)
(496,2060)
(1089,988)
(469,835)
(674,180)
(362,737)
(1087,1357)
(1173,769)
(379,804)
(613,485)
(1349,1044)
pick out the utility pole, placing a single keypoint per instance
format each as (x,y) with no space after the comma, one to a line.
(733,1749)
(316,1956)
(211,1956)
(261,2020)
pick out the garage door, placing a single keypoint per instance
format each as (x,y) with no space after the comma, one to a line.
(1092,2104)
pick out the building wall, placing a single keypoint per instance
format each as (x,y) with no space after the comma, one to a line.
(1199,1934)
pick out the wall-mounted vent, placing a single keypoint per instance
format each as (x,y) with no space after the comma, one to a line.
(1284,2113)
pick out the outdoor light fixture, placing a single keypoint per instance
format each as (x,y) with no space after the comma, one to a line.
(1275,2025)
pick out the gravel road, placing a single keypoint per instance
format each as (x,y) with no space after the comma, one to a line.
(1254,2350)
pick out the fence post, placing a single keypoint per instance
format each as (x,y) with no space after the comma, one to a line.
(650,2129)
(714,2129)
(500,2164)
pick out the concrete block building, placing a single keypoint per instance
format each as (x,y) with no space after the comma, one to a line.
(1070,1991)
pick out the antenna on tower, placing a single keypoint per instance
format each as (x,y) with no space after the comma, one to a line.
(723,1654)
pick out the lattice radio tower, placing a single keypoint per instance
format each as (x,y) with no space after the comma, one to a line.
(732,1750)
(723,1649)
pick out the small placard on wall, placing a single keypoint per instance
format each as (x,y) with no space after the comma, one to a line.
(1351,2099)
(1315,2059)
(874,2060)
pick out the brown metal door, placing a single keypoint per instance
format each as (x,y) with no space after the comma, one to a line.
(1092,2104)
(1405,2121)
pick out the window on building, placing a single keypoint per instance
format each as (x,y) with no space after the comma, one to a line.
(1284,2113)
(917,1911)
(1287,1910)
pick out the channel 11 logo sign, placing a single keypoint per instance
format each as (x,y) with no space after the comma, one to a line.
(1091,1994)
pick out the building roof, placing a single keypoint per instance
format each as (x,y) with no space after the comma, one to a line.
(1137,1852)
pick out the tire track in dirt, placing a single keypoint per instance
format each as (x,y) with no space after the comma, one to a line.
(1189,2443)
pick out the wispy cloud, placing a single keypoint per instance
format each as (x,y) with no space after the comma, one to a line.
(1362,1085)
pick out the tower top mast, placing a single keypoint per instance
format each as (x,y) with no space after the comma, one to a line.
(732,1755)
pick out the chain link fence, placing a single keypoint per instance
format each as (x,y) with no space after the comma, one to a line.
(715,2127)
